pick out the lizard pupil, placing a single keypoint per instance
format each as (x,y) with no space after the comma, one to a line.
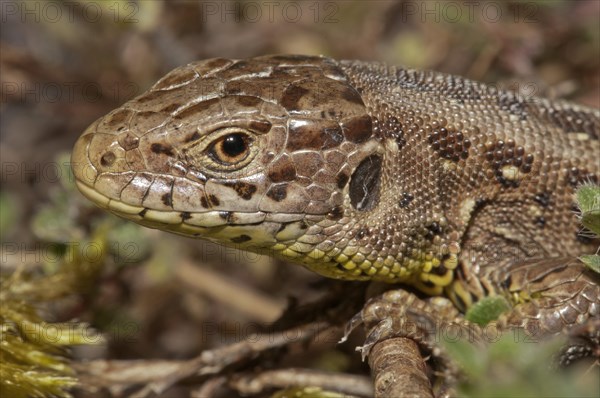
(234,145)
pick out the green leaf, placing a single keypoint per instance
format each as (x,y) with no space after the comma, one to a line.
(592,261)
(588,199)
(487,309)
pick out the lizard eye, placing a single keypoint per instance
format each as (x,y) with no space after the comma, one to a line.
(230,149)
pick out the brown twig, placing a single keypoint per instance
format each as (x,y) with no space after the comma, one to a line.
(399,369)
(355,385)
(161,375)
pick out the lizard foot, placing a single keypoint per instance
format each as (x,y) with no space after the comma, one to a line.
(399,313)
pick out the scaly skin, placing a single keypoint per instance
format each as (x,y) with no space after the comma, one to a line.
(361,171)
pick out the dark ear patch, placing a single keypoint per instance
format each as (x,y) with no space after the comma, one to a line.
(365,184)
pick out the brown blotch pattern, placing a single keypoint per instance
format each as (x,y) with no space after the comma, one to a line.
(342,180)
(261,126)
(186,215)
(167,199)
(193,137)
(248,100)
(577,176)
(278,192)
(214,201)
(358,129)
(543,198)
(449,143)
(107,159)
(501,154)
(170,108)
(243,189)
(128,141)
(241,239)
(282,170)
(336,213)
(159,148)
(351,95)
(313,134)
(291,97)
(204,202)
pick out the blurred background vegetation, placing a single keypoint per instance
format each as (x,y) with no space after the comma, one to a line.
(64,64)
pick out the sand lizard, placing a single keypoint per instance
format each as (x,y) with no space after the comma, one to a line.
(362,171)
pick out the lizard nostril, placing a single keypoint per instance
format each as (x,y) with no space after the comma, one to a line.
(107,159)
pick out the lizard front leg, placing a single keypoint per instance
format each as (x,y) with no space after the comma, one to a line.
(551,296)
(548,297)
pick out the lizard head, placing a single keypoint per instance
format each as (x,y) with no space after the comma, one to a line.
(270,154)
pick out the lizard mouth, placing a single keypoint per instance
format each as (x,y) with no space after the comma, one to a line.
(249,228)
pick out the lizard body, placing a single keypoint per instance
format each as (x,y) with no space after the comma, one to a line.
(359,171)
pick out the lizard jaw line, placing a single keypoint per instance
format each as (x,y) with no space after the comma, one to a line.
(185,222)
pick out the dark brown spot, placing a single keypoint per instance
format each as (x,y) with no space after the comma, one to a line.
(433,229)
(540,221)
(129,141)
(291,96)
(351,95)
(193,137)
(358,129)
(313,134)
(278,192)
(167,199)
(226,215)
(234,88)
(365,184)
(185,215)
(336,213)
(362,233)
(204,202)
(159,148)
(439,270)
(243,189)
(143,213)
(342,180)
(107,159)
(577,176)
(543,198)
(241,239)
(170,108)
(214,201)
(200,107)
(407,198)
(282,170)
(248,100)
(260,126)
